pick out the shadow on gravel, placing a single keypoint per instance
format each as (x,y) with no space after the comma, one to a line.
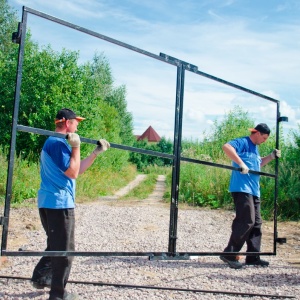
(141,262)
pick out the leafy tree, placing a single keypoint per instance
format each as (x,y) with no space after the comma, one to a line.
(234,124)
(8,63)
(8,24)
(53,80)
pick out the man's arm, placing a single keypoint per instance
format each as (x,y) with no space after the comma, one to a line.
(87,162)
(265,160)
(102,146)
(73,170)
(231,153)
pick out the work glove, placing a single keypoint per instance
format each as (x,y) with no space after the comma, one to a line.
(103,145)
(275,153)
(244,168)
(74,140)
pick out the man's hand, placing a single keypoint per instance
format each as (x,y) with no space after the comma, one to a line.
(275,153)
(245,169)
(74,140)
(104,145)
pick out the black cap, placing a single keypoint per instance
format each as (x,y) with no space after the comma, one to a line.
(66,114)
(262,128)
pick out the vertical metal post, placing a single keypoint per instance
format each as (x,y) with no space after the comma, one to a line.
(19,38)
(276,180)
(176,160)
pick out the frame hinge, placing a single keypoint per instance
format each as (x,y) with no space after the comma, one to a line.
(280,240)
(16,36)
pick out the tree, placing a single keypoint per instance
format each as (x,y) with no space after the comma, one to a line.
(52,80)
(144,160)
(8,64)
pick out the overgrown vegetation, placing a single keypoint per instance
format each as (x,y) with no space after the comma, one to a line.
(95,182)
(143,161)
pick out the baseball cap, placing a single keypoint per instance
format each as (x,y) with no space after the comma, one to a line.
(66,114)
(262,128)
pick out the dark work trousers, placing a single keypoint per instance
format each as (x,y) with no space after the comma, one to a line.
(246,227)
(59,225)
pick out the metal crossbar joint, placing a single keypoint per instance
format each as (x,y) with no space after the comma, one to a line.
(283,119)
(16,36)
(187,65)
(165,256)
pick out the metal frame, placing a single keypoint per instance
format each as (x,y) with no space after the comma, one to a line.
(182,67)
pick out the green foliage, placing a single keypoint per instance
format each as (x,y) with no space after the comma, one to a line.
(235,124)
(142,161)
(95,182)
(25,178)
(203,186)
(144,189)
(102,182)
(52,80)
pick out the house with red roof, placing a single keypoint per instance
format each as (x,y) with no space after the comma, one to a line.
(150,135)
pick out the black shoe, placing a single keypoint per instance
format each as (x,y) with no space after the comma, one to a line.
(234,264)
(257,262)
(40,286)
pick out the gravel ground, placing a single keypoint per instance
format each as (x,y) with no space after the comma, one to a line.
(113,225)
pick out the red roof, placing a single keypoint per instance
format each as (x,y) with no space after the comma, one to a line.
(150,134)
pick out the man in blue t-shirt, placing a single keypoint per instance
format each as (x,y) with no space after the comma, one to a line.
(60,165)
(245,191)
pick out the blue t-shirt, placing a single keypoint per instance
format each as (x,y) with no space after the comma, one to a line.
(248,152)
(57,190)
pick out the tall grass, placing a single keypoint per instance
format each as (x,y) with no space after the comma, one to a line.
(204,186)
(96,181)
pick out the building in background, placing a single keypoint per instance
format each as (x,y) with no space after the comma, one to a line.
(150,135)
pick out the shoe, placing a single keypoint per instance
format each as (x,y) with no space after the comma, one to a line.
(257,262)
(70,296)
(234,264)
(40,286)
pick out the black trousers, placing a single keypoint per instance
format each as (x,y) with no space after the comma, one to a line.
(246,227)
(59,225)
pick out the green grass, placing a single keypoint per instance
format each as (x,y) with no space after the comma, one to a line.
(144,189)
(90,185)
(95,183)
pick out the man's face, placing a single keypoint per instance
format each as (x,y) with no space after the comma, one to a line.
(72,125)
(260,138)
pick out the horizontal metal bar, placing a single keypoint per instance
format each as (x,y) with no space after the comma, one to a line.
(97,35)
(162,57)
(93,141)
(236,86)
(134,149)
(197,161)
(96,253)
(164,288)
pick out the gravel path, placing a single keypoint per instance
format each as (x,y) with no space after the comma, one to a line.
(113,225)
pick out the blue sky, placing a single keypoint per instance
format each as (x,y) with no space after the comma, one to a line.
(252,43)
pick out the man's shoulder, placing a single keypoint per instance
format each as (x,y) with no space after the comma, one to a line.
(240,140)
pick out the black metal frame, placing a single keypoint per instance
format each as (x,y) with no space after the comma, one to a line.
(182,67)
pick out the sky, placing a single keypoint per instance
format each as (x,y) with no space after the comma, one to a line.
(251,43)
